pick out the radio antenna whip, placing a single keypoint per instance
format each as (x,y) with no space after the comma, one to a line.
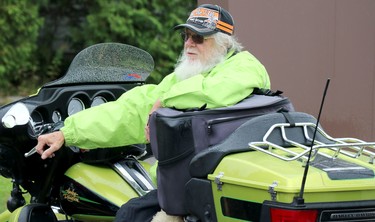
(299,199)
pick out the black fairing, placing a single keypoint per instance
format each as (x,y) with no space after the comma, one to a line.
(15,142)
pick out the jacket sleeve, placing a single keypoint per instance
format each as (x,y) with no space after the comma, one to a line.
(227,84)
(112,124)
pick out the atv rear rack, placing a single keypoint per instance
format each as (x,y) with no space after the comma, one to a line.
(351,147)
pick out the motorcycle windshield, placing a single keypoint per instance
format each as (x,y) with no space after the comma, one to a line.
(108,62)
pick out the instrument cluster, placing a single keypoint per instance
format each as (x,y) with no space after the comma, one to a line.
(68,103)
(77,104)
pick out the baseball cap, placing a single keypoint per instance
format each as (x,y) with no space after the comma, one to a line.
(208,19)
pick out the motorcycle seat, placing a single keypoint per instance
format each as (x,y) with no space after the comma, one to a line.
(253,130)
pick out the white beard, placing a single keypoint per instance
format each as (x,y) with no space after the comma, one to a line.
(186,68)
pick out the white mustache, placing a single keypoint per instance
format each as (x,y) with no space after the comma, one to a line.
(191,51)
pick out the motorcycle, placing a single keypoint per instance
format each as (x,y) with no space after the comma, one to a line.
(87,186)
(271,166)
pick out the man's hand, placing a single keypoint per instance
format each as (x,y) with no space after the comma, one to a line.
(54,141)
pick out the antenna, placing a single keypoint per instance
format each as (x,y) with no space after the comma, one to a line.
(299,200)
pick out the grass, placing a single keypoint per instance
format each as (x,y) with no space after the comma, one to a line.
(5,188)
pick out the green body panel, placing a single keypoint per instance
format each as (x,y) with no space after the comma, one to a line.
(90,218)
(103,181)
(4,216)
(15,214)
(249,175)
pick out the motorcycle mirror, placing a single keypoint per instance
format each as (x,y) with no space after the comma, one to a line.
(18,114)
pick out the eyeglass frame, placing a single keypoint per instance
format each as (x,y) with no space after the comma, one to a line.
(196,38)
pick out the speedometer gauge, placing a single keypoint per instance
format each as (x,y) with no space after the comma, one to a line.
(75,105)
(98,100)
(56,116)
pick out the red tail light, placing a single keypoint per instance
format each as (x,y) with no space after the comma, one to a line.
(283,215)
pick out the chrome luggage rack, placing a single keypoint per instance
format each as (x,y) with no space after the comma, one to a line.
(351,147)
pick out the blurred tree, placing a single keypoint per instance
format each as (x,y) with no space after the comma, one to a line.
(19,28)
(142,23)
(39,38)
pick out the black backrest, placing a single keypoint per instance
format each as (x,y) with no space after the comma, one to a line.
(253,130)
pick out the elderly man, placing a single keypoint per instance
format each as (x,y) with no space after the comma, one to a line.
(212,71)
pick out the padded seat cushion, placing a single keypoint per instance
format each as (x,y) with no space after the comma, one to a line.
(253,130)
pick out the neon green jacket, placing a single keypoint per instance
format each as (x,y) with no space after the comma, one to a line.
(122,122)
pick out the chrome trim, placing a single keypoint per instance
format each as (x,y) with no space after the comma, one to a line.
(350,147)
(141,175)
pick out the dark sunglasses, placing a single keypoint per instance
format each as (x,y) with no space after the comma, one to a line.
(197,39)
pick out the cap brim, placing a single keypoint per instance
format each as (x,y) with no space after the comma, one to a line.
(200,30)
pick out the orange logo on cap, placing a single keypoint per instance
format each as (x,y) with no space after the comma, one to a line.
(204,12)
(210,19)
(205,17)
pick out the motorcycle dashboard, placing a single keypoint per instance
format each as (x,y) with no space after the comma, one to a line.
(69,100)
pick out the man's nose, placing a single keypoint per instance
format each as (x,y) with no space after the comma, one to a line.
(189,40)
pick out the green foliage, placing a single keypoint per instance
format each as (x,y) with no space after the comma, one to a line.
(40,38)
(19,28)
(142,23)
